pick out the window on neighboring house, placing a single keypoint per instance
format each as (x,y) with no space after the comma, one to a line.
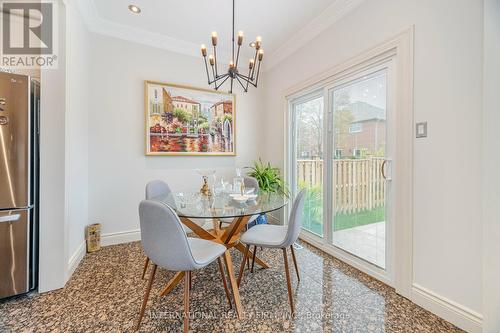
(338,153)
(356,153)
(356,128)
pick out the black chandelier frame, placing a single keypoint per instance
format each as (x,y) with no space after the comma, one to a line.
(252,78)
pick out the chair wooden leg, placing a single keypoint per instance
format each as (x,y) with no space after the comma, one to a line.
(295,262)
(187,279)
(224,282)
(145,268)
(248,258)
(288,282)
(190,281)
(253,257)
(146,297)
(242,266)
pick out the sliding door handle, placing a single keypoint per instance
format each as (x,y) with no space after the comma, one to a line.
(383,170)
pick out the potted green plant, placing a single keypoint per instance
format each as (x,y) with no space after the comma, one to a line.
(269,180)
(269,177)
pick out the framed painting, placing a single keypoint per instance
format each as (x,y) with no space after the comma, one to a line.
(183,120)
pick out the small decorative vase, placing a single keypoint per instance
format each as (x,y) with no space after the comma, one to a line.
(205,189)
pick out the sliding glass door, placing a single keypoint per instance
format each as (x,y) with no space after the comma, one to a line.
(359,116)
(307,157)
(341,143)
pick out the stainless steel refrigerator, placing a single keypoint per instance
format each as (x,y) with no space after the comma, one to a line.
(19,111)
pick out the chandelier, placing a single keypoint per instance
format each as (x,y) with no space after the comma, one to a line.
(233,73)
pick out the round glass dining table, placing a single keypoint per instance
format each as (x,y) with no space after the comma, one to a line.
(196,211)
(223,205)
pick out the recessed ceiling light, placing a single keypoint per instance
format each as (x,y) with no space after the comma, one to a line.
(134,9)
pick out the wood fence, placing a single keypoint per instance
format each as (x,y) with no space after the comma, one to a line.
(358,183)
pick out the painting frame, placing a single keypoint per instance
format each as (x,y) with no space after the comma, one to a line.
(147,129)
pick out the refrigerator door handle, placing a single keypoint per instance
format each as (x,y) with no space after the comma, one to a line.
(10,218)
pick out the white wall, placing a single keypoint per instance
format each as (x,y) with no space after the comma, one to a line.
(53,232)
(491,167)
(118,168)
(76,140)
(447,94)
(63,153)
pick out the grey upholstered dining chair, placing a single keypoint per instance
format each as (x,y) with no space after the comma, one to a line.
(167,245)
(157,188)
(277,237)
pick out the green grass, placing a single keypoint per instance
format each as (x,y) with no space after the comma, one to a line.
(346,221)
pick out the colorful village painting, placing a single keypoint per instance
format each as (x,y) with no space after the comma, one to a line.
(188,121)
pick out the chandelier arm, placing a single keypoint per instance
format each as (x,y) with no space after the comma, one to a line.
(219,78)
(214,75)
(249,71)
(241,84)
(206,67)
(248,81)
(247,78)
(242,77)
(255,62)
(218,86)
(237,57)
(231,88)
(215,60)
(257,77)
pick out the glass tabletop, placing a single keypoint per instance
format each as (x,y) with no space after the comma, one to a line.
(224,205)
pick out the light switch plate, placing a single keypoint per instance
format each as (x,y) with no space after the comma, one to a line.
(421,129)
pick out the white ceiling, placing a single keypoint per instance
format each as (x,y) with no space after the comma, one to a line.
(193,20)
(183,25)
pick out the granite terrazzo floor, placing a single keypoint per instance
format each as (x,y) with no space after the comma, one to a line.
(106,290)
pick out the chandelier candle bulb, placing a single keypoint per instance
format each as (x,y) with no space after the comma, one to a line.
(240,38)
(261,54)
(258,42)
(203,50)
(214,38)
(251,63)
(211,60)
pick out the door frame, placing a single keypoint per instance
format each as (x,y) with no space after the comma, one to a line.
(400,49)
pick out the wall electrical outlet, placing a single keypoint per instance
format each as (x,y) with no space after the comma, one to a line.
(421,129)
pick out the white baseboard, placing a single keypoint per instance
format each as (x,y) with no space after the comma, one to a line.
(449,310)
(75,260)
(120,237)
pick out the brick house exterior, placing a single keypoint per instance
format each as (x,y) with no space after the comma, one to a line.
(365,135)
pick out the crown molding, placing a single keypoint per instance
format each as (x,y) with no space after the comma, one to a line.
(329,16)
(99,25)
(95,23)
